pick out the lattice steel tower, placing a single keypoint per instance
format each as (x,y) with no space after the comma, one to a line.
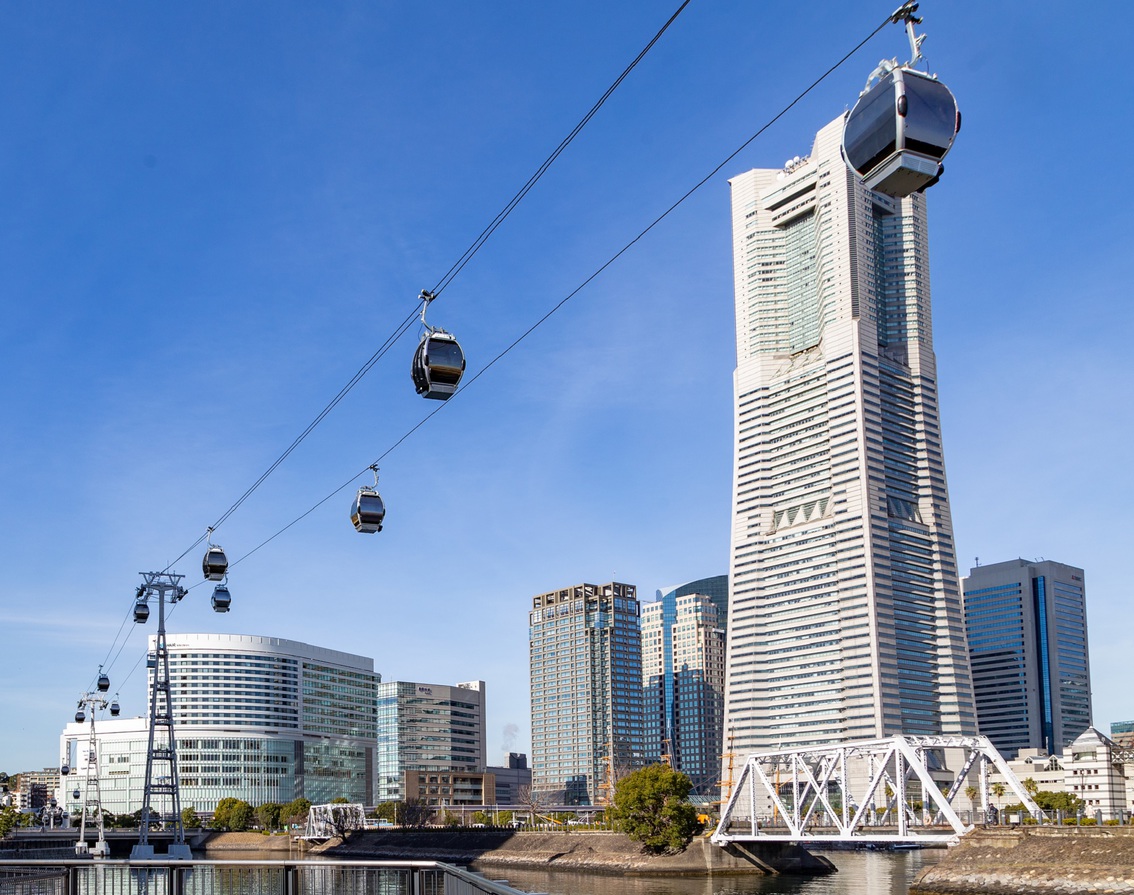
(91,795)
(161,751)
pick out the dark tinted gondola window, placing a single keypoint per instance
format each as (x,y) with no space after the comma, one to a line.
(444,354)
(932,120)
(370,505)
(871,131)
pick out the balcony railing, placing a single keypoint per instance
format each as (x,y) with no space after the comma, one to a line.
(201,877)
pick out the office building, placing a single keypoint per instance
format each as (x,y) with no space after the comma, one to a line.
(845,616)
(1122,733)
(513,780)
(258,718)
(586,685)
(1027,632)
(683,644)
(431,743)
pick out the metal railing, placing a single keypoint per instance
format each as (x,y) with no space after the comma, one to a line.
(202,877)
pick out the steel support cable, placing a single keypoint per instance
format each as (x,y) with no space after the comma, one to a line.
(107,662)
(458,266)
(574,292)
(453,271)
(387,345)
(799,98)
(362,371)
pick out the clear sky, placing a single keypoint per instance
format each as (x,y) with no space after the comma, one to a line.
(212,214)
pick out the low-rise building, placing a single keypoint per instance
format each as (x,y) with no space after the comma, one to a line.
(450,790)
(1093,767)
(513,781)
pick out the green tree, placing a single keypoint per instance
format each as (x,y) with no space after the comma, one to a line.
(651,806)
(1067,802)
(339,800)
(1030,786)
(387,811)
(9,820)
(414,813)
(295,811)
(189,817)
(998,789)
(268,815)
(481,817)
(232,814)
(972,792)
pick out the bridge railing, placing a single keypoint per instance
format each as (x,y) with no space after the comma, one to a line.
(204,877)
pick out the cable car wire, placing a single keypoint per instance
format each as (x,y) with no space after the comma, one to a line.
(457,267)
(799,98)
(452,273)
(445,280)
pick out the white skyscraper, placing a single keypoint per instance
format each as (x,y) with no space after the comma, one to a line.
(845,616)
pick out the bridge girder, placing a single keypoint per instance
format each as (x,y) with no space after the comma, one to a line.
(859,791)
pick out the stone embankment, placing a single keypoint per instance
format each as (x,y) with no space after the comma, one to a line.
(222,845)
(1064,860)
(595,852)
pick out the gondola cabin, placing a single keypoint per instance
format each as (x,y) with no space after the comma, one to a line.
(222,599)
(214,564)
(367,511)
(115,709)
(141,611)
(103,683)
(80,716)
(899,131)
(438,365)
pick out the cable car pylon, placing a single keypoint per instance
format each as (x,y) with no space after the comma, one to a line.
(92,794)
(161,748)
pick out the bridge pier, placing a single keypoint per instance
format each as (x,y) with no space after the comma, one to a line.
(780,858)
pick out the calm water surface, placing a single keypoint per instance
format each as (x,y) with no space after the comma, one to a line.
(860,873)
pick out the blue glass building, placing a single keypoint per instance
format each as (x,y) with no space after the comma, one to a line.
(1027,631)
(683,642)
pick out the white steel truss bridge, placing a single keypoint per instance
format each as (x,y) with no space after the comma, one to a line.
(894,791)
(336,819)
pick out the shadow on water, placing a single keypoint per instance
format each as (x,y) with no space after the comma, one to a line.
(860,873)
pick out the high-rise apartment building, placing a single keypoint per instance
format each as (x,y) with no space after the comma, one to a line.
(1027,633)
(259,718)
(683,641)
(586,686)
(845,617)
(435,731)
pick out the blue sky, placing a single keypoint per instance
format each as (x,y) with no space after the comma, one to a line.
(212,215)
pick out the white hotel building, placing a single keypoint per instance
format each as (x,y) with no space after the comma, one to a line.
(845,615)
(258,718)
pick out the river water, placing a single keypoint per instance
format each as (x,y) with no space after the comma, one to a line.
(860,873)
